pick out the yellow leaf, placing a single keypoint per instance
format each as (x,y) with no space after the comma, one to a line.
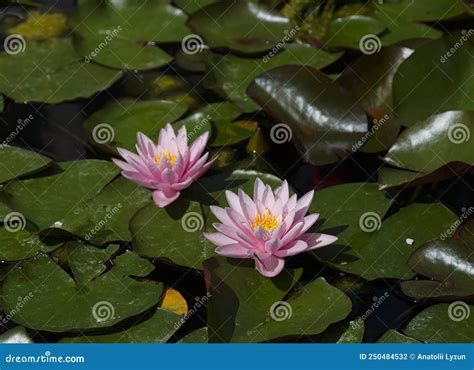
(173,301)
(41,26)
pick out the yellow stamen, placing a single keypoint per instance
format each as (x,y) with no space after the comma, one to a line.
(170,156)
(266,221)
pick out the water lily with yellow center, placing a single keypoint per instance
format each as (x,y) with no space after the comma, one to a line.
(267,228)
(167,167)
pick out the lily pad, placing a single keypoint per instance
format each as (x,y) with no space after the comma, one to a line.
(21,245)
(16,335)
(131,18)
(443,323)
(232,75)
(40,26)
(157,329)
(87,262)
(46,201)
(450,266)
(240,298)
(173,233)
(386,252)
(370,80)
(190,6)
(447,135)
(237,314)
(393,336)
(60,76)
(445,84)
(58,304)
(422,10)
(118,123)
(120,53)
(348,31)
(341,332)
(105,217)
(354,213)
(230,133)
(16,162)
(323,118)
(242,26)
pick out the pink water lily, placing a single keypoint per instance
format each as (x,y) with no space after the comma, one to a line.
(267,228)
(166,168)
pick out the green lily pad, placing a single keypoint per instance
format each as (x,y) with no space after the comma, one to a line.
(392,177)
(47,200)
(323,119)
(105,217)
(16,335)
(58,304)
(237,314)
(190,6)
(61,76)
(370,80)
(341,209)
(230,133)
(4,211)
(21,245)
(354,213)
(120,53)
(234,308)
(443,323)
(341,332)
(446,84)
(157,329)
(200,121)
(393,336)
(118,123)
(348,31)
(232,75)
(87,262)
(197,336)
(386,252)
(131,20)
(450,266)
(16,162)
(242,26)
(447,135)
(422,10)
(173,233)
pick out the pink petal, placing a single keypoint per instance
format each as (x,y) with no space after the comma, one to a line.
(197,147)
(233,251)
(258,189)
(218,239)
(146,146)
(269,265)
(295,247)
(317,240)
(162,199)
(233,201)
(283,192)
(303,204)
